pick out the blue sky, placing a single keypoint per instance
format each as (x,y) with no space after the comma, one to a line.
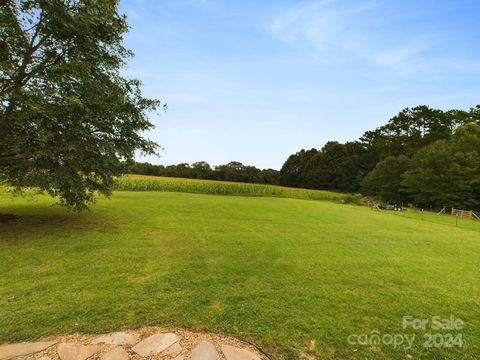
(254,81)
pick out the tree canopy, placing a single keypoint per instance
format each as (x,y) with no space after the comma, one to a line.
(232,171)
(386,179)
(446,173)
(422,155)
(67,117)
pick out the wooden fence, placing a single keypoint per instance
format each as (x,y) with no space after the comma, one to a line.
(464,214)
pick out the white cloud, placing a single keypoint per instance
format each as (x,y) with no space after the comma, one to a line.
(336,30)
(319,22)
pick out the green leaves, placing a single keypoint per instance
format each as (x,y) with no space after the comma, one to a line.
(444,173)
(385,180)
(423,155)
(67,118)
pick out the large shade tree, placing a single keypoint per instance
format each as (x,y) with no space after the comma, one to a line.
(412,129)
(336,167)
(67,117)
(436,177)
(293,170)
(385,180)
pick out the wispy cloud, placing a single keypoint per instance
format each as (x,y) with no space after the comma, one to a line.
(339,29)
(319,22)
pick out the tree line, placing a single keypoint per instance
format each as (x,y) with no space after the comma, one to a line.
(233,171)
(422,156)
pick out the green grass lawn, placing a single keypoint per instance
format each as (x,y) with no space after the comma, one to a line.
(279,272)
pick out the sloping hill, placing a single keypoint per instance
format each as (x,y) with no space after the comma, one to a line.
(289,275)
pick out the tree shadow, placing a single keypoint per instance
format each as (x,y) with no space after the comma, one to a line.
(15,227)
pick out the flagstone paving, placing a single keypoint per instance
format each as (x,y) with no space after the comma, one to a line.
(145,343)
(118,353)
(76,351)
(155,344)
(236,353)
(10,351)
(204,351)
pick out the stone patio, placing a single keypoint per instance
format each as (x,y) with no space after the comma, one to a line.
(145,343)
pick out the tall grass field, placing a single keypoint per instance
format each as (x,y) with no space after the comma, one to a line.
(159,183)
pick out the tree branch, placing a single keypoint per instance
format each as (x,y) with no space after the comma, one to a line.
(13,157)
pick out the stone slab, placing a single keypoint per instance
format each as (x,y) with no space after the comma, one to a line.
(204,351)
(69,351)
(173,350)
(155,344)
(10,351)
(234,353)
(117,353)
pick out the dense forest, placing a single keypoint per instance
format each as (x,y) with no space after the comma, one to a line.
(423,156)
(233,171)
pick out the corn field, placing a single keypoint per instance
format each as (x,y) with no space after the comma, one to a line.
(156,183)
